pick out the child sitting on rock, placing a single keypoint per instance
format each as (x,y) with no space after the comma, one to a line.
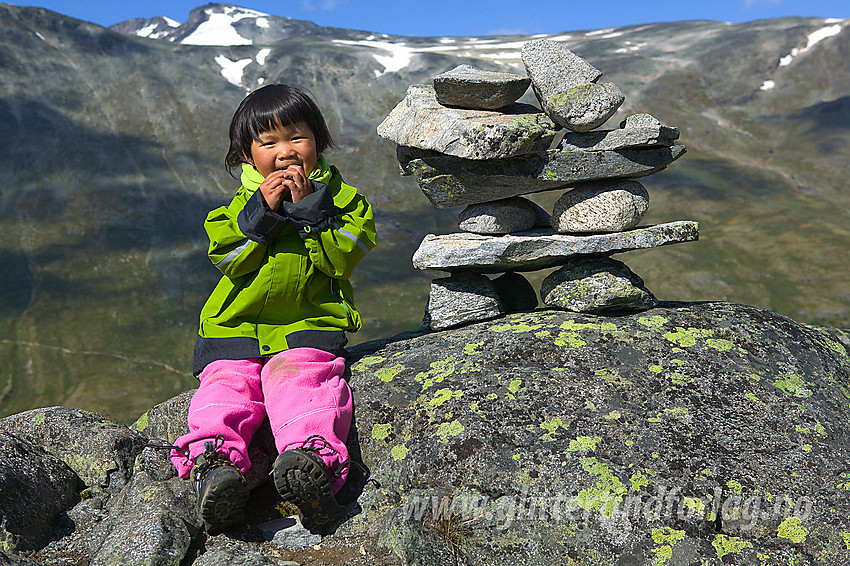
(272,333)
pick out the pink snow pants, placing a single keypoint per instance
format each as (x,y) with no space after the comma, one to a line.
(301,390)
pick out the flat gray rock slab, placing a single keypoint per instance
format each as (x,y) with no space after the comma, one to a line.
(606,206)
(539,248)
(597,286)
(468,87)
(421,122)
(639,130)
(450,181)
(461,298)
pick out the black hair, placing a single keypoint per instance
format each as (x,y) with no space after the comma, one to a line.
(266,108)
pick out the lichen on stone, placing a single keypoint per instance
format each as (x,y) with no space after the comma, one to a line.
(724,544)
(792,529)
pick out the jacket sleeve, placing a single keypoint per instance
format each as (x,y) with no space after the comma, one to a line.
(240,232)
(336,239)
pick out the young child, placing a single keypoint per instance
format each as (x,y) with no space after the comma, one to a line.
(272,333)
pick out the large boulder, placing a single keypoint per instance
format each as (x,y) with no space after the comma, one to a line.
(688,434)
(701,433)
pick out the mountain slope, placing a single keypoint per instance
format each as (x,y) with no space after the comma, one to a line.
(112,151)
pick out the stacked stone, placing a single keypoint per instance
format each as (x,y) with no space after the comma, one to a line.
(469,143)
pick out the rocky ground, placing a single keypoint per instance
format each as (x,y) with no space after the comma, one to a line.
(693,433)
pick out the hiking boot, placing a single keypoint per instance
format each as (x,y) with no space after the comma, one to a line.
(221,490)
(301,478)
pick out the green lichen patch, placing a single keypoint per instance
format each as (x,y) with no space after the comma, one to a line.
(607,495)
(686,337)
(752,397)
(583,443)
(399,452)
(443,395)
(387,374)
(141,423)
(639,480)
(794,385)
(792,529)
(735,486)
(550,427)
(381,431)
(724,544)
(364,363)
(513,388)
(471,349)
(720,344)
(448,429)
(667,538)
(516,328)
(438,371)
(846,538)
(654,321)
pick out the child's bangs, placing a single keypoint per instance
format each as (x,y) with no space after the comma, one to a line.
(268,118)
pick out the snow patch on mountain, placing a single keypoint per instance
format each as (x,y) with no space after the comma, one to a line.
(218,28)
(232,70)
(814,38)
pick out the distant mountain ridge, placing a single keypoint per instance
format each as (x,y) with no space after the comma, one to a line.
(112,145)
(222,24)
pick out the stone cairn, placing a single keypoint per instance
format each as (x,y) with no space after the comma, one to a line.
(468,142)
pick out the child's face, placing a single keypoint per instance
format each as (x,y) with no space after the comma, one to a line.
(284,146)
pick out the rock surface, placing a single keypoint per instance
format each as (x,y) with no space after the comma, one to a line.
(596,285)
(450,181)
(638,130)
(499,217)
(689,434)
(703,434)
(36,488)
(463,297)
(554,68)
(420,121)
(565,84)
(468,87)
(600,207)
(583,107)
(100,452)
(538,249)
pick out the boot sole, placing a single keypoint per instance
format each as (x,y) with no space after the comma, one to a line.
(304,483)
(223,506)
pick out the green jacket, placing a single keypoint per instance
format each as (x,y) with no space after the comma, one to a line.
(285,272)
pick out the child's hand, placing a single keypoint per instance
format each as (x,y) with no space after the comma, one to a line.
(281,182)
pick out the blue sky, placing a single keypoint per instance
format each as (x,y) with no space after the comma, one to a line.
(465,17)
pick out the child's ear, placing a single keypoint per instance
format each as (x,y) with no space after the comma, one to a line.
(247,159)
